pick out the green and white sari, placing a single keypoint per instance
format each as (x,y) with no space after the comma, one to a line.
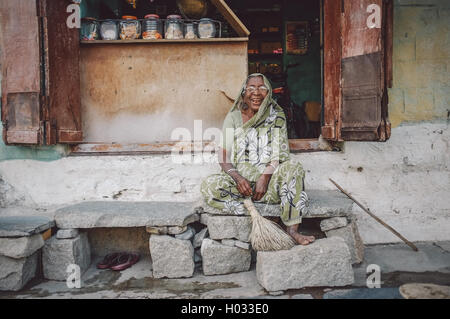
(253,145)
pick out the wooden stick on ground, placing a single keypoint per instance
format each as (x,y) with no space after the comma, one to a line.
(410,244)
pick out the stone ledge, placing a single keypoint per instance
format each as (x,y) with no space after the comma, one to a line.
(109,214)
(24,226)
(322,204)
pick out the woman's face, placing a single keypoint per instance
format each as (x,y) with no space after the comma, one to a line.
(255,93)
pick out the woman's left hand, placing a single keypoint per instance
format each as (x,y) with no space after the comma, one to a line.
(261,187)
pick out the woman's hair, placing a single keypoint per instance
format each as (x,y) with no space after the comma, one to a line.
(254,75)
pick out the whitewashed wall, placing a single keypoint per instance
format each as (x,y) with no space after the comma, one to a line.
(405,181)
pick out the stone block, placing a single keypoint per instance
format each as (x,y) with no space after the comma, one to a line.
(198,238)
(16,273)
(328,203)
(20,247)
(171,257)
(219,259)
(176,230)
(326,262)
(188,234)
(229,227)
(350,235)
(204,218)
(60,253)
(333,223)
(67,233)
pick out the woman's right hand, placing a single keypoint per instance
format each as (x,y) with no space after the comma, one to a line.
(243,186)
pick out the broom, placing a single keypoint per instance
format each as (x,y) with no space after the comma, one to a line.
(267,235)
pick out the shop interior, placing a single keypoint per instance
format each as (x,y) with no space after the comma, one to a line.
(284,44)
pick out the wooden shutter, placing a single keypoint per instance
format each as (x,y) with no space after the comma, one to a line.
(62,75)
(358,71)
(40,73)
(20,60)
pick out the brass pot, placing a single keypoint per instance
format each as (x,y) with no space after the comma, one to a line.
(194,9)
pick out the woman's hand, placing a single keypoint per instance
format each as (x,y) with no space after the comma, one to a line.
(261,187)
(243,186)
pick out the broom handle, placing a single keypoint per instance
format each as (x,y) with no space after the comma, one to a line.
(410,244)
(248,203)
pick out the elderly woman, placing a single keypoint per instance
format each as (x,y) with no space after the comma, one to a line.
(255,159)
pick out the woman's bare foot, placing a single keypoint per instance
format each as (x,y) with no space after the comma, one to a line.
(303,240)
(299,238)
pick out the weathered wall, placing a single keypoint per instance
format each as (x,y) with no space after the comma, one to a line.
(405,181)
(139,93)
(421,88)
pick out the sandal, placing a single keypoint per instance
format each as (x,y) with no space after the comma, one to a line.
(125,261)
(108,261)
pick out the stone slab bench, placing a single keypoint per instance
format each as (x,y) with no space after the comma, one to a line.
(20,241)
(71,244)
(109,214)
(322,204)
(24,226)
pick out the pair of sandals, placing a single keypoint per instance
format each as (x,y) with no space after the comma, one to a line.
(118,261)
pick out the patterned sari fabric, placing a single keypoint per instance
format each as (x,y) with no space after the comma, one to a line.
(253,145)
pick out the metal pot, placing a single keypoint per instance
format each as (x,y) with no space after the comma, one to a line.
(194,9)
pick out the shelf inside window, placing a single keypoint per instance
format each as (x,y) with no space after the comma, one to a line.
(142,41)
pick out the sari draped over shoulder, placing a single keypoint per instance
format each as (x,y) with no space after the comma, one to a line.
(252,146)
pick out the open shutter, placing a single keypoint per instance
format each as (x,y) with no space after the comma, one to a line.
(62,75)
(21,78)
(357,71)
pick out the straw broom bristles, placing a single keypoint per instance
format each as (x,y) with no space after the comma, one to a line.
(267,235)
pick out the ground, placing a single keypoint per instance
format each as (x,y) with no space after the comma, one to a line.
(398,264)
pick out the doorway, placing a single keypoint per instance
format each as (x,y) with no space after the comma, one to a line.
(285,44)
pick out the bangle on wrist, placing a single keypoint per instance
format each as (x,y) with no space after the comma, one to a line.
(231,170)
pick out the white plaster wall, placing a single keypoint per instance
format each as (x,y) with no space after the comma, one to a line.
(405,181)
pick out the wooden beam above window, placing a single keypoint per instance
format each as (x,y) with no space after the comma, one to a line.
(231,18)
(88,149)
